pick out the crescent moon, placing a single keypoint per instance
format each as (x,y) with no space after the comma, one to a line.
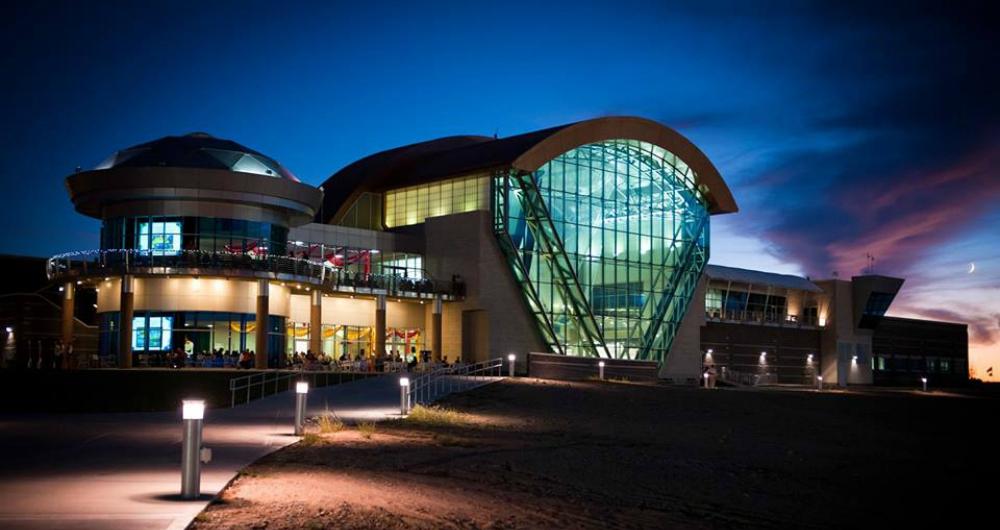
(972,267)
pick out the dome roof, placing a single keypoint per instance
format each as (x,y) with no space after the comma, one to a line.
(197,150)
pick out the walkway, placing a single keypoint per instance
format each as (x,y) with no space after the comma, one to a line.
(117,471)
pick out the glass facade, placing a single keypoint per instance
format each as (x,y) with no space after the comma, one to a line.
(155,333)
(366,212)
(165,236)
(353,342)
(608,241)
(410,206)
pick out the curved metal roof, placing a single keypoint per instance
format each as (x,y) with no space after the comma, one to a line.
(197,150)
(760,278)
(458,155)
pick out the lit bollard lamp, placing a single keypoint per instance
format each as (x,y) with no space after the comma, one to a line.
(511,358)
(301,391)
(193,412)
(600,369)
(923,380)
(705,375)
(819,382)
(404,398)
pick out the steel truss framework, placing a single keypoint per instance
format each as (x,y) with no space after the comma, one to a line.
(607,241)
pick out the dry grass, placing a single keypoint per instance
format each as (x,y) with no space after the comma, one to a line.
(436,416)
(311,438)
(329,423)
(367,429)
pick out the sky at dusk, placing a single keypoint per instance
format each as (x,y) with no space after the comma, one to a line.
(842,128)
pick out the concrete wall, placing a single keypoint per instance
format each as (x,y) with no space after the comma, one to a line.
(464,244)
(333,235)
(684,361)
(841,340)
(190,294)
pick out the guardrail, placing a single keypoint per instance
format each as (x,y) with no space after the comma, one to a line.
(87,263)
(434,385)
(748,379)
(267,383)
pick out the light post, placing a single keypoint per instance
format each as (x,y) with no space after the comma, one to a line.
(193,412)
(819,382)
(511,358)
(600,369)
(301,391)
(404,398)
(923,380)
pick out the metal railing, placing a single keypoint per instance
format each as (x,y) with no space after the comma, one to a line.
(87,263)
(267,383)
(748,379)
(434,385)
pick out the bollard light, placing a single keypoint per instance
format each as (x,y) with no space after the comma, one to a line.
(600,369)
(193,412)
(193,409)
(301,391)
(511,358)
(404,395)
(705,375)
(923,380)
(819,382)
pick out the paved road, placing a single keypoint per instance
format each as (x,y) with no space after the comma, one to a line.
(117,471)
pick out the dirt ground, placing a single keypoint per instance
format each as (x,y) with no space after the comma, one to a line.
(544,454)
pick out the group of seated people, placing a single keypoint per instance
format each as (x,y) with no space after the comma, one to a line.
(308,360)
(218,358)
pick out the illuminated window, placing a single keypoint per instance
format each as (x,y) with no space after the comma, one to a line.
(154,334)
(160,238)
(410,206)
(607,241)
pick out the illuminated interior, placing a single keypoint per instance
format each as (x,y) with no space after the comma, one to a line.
(412,205)
(608,241)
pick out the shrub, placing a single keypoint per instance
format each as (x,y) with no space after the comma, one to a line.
(435,416)
(330,423)
(367,429)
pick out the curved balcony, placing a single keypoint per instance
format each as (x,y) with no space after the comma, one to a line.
(81,265)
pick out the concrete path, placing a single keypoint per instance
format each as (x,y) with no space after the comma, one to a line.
(122,471)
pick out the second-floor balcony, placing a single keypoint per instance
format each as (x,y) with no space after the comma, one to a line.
(773,318)
(87,264)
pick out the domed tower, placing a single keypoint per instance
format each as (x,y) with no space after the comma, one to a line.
(194,229)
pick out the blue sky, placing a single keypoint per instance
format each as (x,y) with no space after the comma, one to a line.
(843,128)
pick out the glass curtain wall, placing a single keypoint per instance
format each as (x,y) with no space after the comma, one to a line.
(410,206)
(168,236)
(608,241)
(196,333)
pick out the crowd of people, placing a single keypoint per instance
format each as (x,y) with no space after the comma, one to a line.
(55,355)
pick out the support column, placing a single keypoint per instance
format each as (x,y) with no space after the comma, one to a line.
(436,338)
(263,298)
(126,313)
(316,323)
(68,307)
(380,325)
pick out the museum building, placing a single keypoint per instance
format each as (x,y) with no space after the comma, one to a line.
(589,240)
